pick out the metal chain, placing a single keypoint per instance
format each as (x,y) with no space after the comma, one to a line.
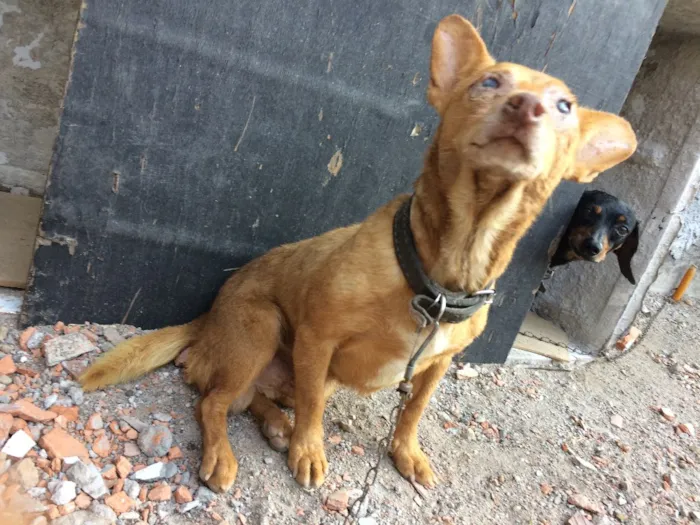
(544,339)
(383,446)
(608,355)
(372,473)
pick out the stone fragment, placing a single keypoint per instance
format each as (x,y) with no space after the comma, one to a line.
(163,417)
(626,342)
(76,367)
(102,446)
(155,441)
(103,511)
(26,410)
(7,365)
(204,495)
(585,503)
(5,426)
(70,413)
(160,492)
(338,500)
(18,445)
(183,495)
(131,450)
(94,422)
(120,502)
(687,428)
(112,335)
(24,474)
(155,472)
(88,478)
(667,414)
(83,501)
(578,519)
(466,372)
(66,347)
(59,444)
(135,423)
(124,467)
(63,492)
(189,506)
(132,488)
(76,394)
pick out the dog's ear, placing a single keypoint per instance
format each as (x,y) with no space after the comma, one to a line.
(605,141)
(626,252)
(457,49)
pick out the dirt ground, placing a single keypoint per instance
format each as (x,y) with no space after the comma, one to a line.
(611,442)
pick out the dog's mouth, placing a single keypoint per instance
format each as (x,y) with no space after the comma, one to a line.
(517,142)
(513,139)
(501,141)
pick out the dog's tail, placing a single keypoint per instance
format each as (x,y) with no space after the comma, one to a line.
(139,355)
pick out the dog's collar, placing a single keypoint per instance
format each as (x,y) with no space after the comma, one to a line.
(458,306)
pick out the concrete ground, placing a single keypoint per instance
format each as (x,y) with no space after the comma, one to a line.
(610,442)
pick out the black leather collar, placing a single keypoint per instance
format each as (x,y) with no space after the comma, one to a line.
(459,306)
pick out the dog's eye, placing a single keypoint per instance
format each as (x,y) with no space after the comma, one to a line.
(490,83)
(621,230)
(564,106)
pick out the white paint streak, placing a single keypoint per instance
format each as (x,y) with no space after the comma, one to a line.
(23,54)
(3,158)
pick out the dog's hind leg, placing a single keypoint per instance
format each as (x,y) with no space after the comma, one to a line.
(274,423)
(236,345)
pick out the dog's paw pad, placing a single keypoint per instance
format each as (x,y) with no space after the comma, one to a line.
(219,469)
(308,463)
(278,434)
(413,464)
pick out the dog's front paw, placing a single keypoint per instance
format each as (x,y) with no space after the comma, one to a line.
(412,462)
(307,461)
(219,467)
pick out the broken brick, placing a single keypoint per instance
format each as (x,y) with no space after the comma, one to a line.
(59,444)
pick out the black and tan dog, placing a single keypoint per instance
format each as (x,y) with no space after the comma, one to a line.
(601,224)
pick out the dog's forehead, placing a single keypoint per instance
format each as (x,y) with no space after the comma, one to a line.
(610,208)
(529,78)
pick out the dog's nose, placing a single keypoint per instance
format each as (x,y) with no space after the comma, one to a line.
(592,247)
(525,107)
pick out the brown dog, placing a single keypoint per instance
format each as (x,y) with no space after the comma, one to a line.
(334,310)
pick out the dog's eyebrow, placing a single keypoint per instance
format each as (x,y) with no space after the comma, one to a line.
(621,218)
(597,209)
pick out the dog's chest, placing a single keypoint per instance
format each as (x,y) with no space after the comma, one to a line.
(392,372)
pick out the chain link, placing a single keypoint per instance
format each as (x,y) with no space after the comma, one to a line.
(544,339)
(373,472)
(405,395)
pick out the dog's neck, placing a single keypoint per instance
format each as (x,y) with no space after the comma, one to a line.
(467,223)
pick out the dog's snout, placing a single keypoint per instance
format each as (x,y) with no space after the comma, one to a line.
(592,247)
(525,107)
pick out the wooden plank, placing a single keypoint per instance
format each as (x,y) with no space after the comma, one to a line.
(542,348)
(19,217)
(197,135)
(535,324)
